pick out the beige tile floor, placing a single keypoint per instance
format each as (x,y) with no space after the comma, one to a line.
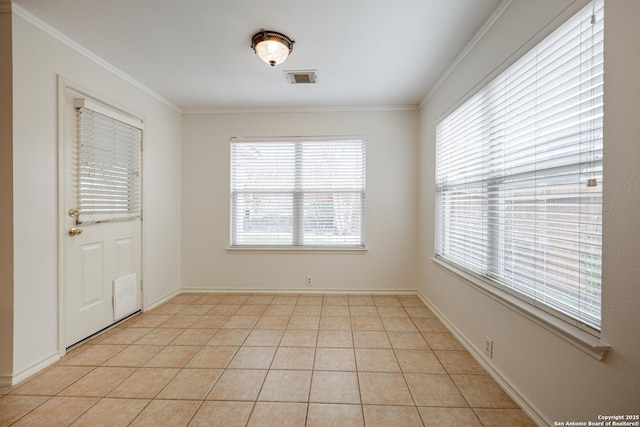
(267,360)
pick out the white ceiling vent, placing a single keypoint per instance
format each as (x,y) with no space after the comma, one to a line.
(301,77)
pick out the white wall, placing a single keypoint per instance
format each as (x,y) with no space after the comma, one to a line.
(557,380)
(38,59)
(389,264)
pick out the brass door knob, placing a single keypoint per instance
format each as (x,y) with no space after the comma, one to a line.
(74,232)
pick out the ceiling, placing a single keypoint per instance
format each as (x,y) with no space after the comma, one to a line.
(197,54)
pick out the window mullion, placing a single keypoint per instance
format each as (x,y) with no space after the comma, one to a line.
(298,198)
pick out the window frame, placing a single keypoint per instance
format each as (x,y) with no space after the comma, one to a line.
(297,245)
(109,169)
(581,336)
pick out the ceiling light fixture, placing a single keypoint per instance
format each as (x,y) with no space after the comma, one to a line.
(272,47)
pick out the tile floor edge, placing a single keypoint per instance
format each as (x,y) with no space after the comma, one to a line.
(506,385)
(30,371)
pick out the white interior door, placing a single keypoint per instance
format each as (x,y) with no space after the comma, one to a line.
(101,253)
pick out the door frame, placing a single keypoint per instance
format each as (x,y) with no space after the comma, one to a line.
(64,85)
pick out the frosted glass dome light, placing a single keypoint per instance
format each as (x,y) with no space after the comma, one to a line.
(272,47)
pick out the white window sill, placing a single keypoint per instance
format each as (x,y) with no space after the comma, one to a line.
(297,250)
(580,339)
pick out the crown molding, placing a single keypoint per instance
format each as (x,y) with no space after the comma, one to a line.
(467,49)
(38,23)
(266,110)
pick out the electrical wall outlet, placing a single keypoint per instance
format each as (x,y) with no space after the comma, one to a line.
(308,280)
(488,346)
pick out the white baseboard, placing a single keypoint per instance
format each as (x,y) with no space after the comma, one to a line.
(6,380)
(302,291)
(478,355)
(162,300)
(26,373)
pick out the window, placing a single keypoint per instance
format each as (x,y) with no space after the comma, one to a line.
(519,176)
(297,192)
(109,147)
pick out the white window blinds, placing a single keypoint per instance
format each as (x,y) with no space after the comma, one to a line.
(109,151)
(300,192)
(519,175)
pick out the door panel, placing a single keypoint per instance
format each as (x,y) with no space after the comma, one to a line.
(93,259)
(92,267)
(126,259)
